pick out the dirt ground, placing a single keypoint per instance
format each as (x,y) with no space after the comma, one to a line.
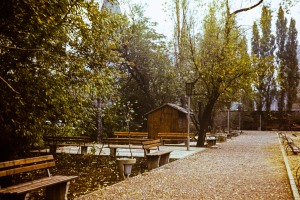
(294,159)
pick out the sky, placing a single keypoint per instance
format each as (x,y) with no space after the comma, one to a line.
(155,10)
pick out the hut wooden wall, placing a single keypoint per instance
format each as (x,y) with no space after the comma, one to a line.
(166,120)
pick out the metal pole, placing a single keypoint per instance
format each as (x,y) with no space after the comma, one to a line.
(260,122)
(239,108)
(188,121)
(228,124)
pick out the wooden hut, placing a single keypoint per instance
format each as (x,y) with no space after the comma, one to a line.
(169,118)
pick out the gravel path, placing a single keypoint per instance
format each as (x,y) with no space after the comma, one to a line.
(249,166)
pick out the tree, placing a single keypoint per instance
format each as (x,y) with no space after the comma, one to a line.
(183,25)
(292,65)
(149,79)
(222,65)
(281,37)
(263,48)
(50,67)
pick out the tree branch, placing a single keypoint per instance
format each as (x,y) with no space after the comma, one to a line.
(246,9)
(9,85)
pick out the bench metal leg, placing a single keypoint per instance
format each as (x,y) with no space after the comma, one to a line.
(153,162)
(164,159)
(84,150)
(113,152)
(52,149)
(57,191)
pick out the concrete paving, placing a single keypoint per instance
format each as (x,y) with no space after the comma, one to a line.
(178,151)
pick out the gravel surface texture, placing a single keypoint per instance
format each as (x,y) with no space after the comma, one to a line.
(249,166)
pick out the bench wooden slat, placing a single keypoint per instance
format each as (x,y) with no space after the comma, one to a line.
(25,161)
(54,141)
(37,184)
(125,147)
(124,143)
(26,165)
(149,146)
(131,134)
(26,169)
(158,153)
(57,186)
(124,140)
(151,142)
(157,158)
(175,134)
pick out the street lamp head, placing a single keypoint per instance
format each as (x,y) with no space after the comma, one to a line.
(228,104)
(189,88)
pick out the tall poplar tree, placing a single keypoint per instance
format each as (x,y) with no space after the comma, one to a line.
(281,37)
(292,64)
(264,61)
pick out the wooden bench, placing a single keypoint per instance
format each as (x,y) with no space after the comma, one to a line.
(157,158)
(56,186)
(298,176)
(290,146)
(211,140)
(295,127)
(121,143)
(175,137)
(55,141)
(131,134)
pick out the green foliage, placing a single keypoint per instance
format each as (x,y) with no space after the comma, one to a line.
(220,62)
(292,63)
(56,58)
(263,47)
(281,37)
(149,78)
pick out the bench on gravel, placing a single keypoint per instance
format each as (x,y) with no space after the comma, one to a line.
(157,158)
(131,134)
(175,137)
(56,186)
(56,141)
(122,143)
(211,140)
(290,146)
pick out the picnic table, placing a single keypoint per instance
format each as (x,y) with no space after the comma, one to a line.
(55,141)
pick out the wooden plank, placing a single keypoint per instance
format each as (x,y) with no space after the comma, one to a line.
(25,161)
(151,141)
(37,184)
(117,133)
(151,144)
(54,139)
(124,140)
(26,168)
(125,147)
(159,153)
(175,134)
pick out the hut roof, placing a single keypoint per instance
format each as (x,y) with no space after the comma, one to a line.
(183,110)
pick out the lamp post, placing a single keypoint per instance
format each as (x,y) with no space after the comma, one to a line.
(239,109)
(189,92)
(228,105)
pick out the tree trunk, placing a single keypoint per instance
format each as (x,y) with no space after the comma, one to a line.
(204,123)
(99,121)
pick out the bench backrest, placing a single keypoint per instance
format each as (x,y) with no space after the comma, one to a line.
(151,143)
(289,140)
(131,134)
(75,139)
(125,141)
(175,135)
(25,165)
